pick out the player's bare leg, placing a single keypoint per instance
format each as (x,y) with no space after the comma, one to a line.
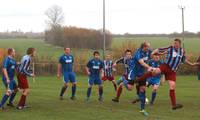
(114,84)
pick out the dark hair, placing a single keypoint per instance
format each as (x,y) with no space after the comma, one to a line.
(96,52)
(10,50)
(127,50)
(177,40)
(30,50)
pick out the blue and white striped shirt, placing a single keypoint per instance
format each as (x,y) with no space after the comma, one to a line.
(24,67)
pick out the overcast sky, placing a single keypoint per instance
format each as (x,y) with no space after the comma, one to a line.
(133,16)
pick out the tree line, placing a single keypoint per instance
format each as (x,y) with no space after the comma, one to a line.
(74,37)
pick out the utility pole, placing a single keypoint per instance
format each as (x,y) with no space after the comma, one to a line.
(183,23)
(104,31)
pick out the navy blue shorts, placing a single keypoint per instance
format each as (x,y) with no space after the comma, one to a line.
(69,77)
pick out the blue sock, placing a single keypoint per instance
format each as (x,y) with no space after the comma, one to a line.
(142,100)
(89,92)
(4,99)
(153,96)
(73,90)
(100,91)
(12,97)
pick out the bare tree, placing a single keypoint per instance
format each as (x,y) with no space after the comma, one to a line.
(55,16)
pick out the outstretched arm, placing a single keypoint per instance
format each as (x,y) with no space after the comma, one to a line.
(190,63)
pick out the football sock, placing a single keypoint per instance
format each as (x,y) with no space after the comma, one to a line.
(142,100)
(119,91)
(89,92)
(12,97)
(73,90)
(172,97)
(100,91)
(4,99)
(22,100)
(63,89)
(153,96)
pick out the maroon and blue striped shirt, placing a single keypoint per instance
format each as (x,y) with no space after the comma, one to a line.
(173,56)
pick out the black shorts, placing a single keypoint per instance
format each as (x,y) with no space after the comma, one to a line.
(142,83)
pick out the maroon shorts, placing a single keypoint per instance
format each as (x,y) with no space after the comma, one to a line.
(168,72)
(22,81)
(110,78)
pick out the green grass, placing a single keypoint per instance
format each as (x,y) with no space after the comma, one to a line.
(43,49)
(45,104)
(22,44)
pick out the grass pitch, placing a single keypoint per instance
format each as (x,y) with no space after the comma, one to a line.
(45,103)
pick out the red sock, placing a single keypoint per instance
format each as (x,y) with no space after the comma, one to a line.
(172,97)
(145,76)
(22,100)
(119,91)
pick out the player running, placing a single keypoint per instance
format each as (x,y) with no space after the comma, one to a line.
(9,67)
(175,54)
(125,61)
(24,71)
(108,69)
(65,68)
(94,69)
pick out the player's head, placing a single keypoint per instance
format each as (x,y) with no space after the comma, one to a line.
(128,54)
(67,51)
(96,54)
(156,57)
(31,51)
(108,57)
(11,52)
(145,46)
(177,43)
